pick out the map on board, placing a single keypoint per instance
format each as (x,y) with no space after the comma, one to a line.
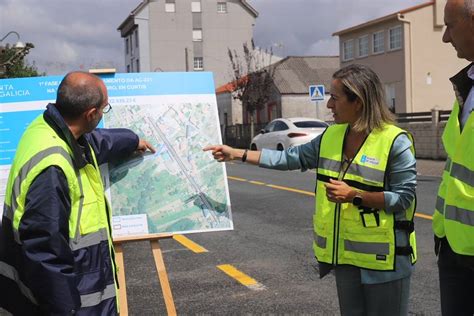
(179,187)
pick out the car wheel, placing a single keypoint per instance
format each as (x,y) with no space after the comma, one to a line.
(280,147)
(253,147)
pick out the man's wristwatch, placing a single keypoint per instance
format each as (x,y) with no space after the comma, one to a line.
(357,200)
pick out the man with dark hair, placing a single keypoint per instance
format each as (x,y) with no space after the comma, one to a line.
(453,220)
(57,256)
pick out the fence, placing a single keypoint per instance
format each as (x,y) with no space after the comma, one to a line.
(426,128)
(423,117)
(239,135)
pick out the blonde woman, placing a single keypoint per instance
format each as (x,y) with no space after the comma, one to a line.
(365,195)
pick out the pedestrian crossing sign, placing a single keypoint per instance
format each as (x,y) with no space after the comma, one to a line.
(316,92)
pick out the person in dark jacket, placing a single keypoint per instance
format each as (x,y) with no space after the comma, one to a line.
(56,253)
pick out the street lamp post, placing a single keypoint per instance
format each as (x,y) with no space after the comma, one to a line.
(18,44)
(20,50)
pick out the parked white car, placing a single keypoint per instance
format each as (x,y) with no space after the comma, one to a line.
(283,133)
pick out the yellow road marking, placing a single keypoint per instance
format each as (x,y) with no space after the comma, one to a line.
(290,189)
(241,277)
(304,192)
(237,179)
(424,216)
(188,243)
(257,182)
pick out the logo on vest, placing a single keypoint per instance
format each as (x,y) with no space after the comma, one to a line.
(369,160)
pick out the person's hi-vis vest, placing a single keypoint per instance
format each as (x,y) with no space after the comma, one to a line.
(345,234)
(40,148)
(454,211)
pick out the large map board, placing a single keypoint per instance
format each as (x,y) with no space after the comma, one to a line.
(178,189)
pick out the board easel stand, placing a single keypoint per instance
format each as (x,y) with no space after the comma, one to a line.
(160,269)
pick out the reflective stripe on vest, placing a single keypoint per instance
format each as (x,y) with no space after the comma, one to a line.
(21,176)
(440,204)
(375,248)
(87,300)
(460,215)
(340,236)
(462,174)
(370,174)
(447,165)
(438,216)
(35,160)
(320,240)
(89,239)
(329,164)
(11,273)
(92,299)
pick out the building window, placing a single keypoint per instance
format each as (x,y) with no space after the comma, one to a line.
(128,68)
(131,44)
(378,43)
(395,35)
(198,63)
(197,35)
(126,45)
(136,38)
(170,7)
(363,46)
(138,65)
(348,50)
(221,7)
(196,6)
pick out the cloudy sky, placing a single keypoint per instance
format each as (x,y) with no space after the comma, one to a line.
(83,34)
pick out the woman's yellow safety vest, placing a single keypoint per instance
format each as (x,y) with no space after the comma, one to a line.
(345,234)
(454,210)
(88,220)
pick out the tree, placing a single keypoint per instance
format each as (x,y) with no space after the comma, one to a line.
(252,79)
(13,64)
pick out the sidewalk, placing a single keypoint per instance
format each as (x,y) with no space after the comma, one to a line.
(426,167)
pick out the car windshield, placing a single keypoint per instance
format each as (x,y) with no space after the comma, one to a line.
(310,124)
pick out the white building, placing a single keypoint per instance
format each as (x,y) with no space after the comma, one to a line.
(186,35)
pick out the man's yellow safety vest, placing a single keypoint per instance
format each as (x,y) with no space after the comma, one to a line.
(88,220)
(454,210)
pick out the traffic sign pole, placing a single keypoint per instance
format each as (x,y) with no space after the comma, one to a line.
(316,93)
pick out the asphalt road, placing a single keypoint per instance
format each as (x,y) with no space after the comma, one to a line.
(271,243)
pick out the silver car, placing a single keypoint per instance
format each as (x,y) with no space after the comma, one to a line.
(283,133)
